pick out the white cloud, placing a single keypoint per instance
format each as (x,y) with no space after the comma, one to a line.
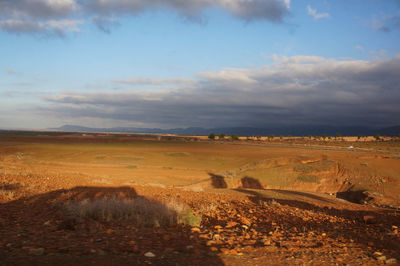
(313,12)
(154,81)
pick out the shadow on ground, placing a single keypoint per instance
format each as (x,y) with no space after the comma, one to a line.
(37,230)
(218,181)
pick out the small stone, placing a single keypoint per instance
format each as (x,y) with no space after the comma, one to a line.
(189,247)
(149,254)
(195,229)
(231,224)
(216,237)
(245,227)
(381,258)
(109,231)
(245,221)
(203,236)
(266,242)
(210,243)
(225,251)
(377,253)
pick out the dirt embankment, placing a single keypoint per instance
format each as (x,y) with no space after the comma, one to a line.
(312,174)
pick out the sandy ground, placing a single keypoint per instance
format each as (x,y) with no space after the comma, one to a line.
(274,203)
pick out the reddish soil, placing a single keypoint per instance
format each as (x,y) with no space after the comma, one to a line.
(236,229)
(240,226)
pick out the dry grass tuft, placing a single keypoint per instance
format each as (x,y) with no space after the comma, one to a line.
(140,211)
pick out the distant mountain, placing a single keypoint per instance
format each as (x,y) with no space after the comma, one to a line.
(245,131)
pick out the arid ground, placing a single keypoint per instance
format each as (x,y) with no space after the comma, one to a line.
(103,199)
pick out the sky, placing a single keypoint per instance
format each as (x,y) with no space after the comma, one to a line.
(199,63)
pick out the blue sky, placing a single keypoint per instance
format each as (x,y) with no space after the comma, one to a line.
(198,63)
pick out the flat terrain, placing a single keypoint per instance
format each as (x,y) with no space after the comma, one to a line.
(286,201)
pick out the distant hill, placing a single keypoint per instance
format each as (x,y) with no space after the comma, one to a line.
(246,131)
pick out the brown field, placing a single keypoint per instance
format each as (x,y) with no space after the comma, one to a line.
(68,197)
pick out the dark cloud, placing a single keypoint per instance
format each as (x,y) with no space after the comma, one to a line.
(34,16)
(293,90)
(43,9)
(272,10)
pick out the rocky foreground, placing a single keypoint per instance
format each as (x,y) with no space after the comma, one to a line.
(236,229)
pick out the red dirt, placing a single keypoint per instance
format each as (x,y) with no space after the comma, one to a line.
(239,227)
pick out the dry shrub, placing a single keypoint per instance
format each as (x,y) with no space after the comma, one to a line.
(140,211)
(9,191)
(7,194)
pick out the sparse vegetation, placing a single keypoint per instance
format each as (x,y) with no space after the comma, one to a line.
(234,137)
(211,136)
(140,211)
(222,136)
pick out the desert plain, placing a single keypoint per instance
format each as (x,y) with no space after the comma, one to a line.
(104,199)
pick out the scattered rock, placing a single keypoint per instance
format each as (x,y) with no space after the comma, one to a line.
(195,229)
(216,237)
(231,224)
(149,254)
(245,221)
(210,243)
(266,242)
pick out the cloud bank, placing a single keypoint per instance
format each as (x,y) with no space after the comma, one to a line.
(50,16)
(292,90)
